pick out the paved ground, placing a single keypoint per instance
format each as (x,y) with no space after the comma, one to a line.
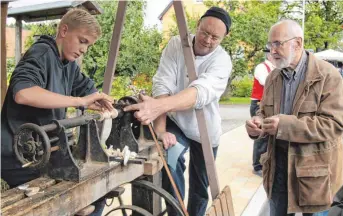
(234,159)
(233,116)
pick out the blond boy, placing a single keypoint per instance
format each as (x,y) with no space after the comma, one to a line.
(45,82)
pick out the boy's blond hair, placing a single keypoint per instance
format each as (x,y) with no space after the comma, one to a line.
(79,18)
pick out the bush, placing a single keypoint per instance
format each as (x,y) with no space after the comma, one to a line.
(242,87)
(126,86)
(143,82)
(120,87)
(10,65)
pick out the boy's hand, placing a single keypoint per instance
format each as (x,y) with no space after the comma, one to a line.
(97,101)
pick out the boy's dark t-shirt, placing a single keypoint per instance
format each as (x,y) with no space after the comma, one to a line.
(40,66)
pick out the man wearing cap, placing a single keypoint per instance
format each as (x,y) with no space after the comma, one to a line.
(175,100)
(260,75)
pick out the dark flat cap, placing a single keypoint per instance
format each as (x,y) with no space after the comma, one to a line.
(221,14)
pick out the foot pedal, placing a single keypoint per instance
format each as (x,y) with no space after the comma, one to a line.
(86,211)
(115,193)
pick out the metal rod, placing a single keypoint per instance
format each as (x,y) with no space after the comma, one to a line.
(18,39)
(88,145)
(72,122)
(54,139)
(168,172)
(78,121)
(49,127)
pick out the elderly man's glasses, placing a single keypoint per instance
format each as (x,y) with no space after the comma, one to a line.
(208,35)
(277,44)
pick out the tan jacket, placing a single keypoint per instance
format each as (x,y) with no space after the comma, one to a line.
(314,131)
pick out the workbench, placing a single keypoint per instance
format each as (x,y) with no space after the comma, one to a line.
(61,198)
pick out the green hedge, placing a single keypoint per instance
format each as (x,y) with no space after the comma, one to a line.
(10,65)
(242,87)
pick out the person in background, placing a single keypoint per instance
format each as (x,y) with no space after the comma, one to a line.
(261,72)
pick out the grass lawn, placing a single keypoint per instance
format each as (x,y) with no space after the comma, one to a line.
(235,100)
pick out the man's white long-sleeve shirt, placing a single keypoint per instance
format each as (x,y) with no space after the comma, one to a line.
(213,71)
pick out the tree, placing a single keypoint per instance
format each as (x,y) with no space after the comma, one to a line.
(251,21)
(49,28)
(139,50)
(10,65)
(323,24)
(192,23)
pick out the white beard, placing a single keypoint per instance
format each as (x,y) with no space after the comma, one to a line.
(285,62)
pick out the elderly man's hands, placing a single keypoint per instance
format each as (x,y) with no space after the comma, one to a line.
(253,126)
(270,125)
(147,110)
(257,126)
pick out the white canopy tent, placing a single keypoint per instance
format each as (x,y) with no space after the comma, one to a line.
(330,55)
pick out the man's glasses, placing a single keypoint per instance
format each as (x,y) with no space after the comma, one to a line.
(277,44)
(212,37)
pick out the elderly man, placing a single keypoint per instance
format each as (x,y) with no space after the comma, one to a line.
(174,93)
(302,114)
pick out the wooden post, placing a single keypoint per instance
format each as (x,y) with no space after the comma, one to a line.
(189,60)
(18,39)
(220,207)
(114,48)
(112,57)
(140,200)
(143,197)
(4,7)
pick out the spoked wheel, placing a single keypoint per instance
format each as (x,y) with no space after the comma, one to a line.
(153,188)
(32,146)
(162,193)
(136,209)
